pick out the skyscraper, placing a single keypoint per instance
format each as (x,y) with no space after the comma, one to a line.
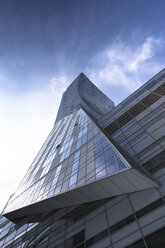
(98,180)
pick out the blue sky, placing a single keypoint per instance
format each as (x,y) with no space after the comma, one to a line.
(44,45)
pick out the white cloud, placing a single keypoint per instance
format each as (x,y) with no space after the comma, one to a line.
(25,122)
(3,79)
(59,83)
(126,65)
(143,54)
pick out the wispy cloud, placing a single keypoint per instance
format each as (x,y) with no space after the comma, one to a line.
(59,83)
(126,65)
(3,79)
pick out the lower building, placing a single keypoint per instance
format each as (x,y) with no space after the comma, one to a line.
(99,179)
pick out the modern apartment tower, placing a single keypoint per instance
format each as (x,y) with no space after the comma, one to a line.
(98,181)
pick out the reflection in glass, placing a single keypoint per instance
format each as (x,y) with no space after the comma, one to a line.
(121,164)
(73,180)
(101,174)
(112,167)
(108,154)
(99,160)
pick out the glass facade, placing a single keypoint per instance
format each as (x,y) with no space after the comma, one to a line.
(76,152)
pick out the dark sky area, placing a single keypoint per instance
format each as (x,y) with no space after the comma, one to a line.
(41,39)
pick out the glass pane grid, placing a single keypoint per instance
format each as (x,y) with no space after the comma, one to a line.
(70,156)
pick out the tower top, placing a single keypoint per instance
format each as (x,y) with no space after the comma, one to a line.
(83,92)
